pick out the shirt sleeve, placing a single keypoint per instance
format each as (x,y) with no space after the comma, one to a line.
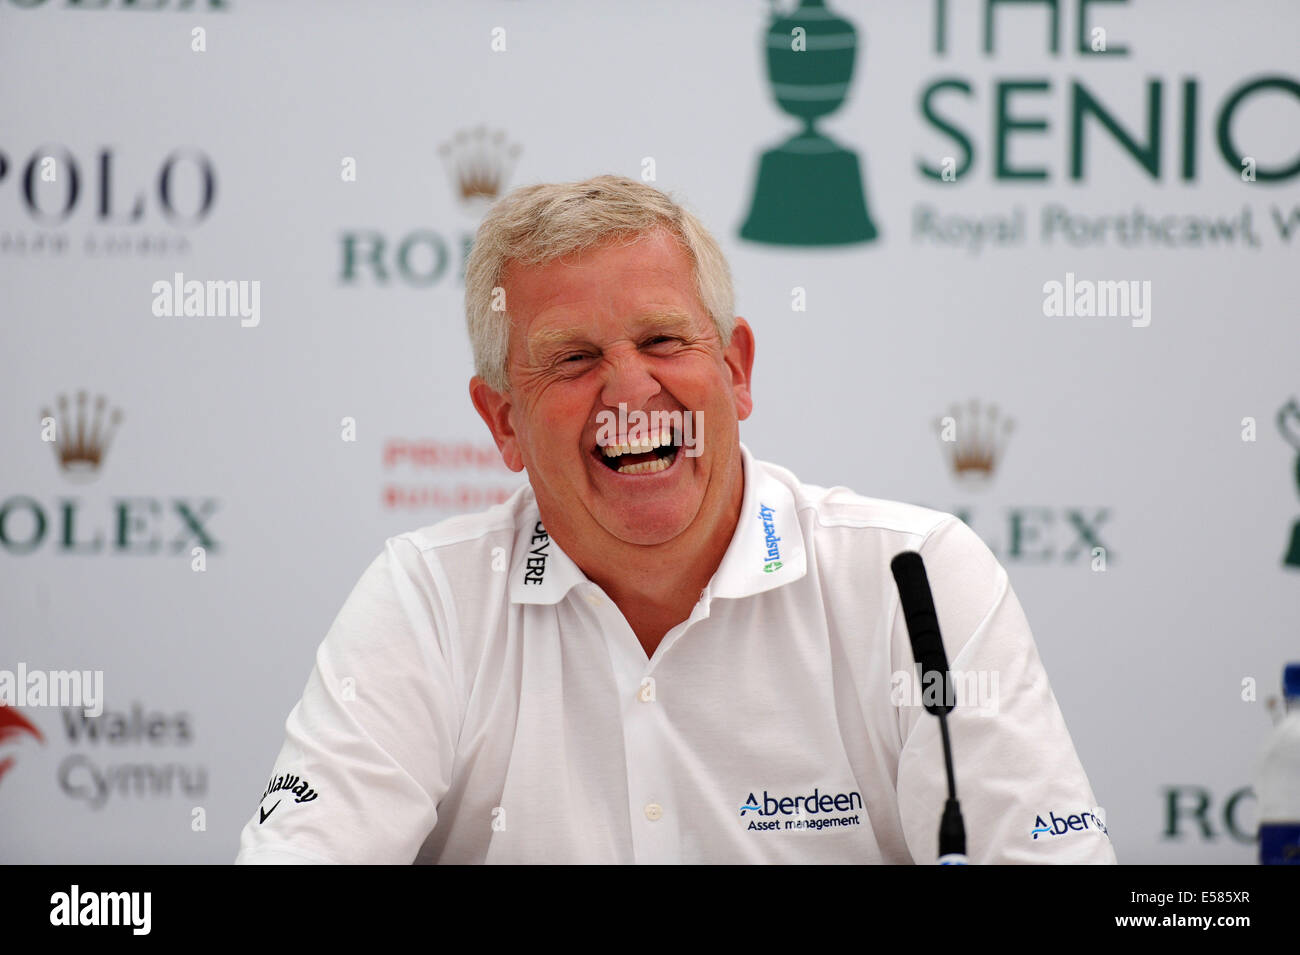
(369,748)
(1024,795)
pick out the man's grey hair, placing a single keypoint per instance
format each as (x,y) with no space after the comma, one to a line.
(534,225)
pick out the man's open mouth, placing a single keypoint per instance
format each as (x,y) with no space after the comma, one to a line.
(652,454)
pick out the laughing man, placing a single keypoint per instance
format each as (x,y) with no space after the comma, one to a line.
(660,649)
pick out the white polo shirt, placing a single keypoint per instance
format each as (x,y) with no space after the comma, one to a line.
(478,699)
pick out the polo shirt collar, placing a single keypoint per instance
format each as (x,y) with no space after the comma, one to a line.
(541,572)
(766,549)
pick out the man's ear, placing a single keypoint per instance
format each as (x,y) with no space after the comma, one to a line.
(494,408)
(739,356)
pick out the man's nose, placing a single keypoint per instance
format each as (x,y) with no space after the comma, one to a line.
(628,380)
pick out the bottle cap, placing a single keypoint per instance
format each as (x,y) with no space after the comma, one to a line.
(1291,680)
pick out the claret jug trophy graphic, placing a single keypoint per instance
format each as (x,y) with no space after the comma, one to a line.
(809,189)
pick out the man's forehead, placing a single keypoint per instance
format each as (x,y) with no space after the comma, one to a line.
(653,251)
(562,330)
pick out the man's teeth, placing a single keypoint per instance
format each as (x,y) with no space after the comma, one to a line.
(644,447)
(646,467)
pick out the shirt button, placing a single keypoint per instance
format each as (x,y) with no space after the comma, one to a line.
(654,811)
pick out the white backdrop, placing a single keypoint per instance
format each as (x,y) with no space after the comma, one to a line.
(1124,437)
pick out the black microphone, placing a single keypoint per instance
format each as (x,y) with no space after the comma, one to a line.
(927,647)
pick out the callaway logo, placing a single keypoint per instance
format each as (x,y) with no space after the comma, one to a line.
(302,792)
(265,813)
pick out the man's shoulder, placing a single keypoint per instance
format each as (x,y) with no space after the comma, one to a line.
(841,507)
(458,566)
(487,528)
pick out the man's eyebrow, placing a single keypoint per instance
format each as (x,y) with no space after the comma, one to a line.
(549,339)
(666,320)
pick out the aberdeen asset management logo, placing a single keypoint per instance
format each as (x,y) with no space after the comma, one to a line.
(1056,825)
(815,810)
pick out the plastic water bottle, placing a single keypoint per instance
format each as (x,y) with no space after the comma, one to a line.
(1278,782)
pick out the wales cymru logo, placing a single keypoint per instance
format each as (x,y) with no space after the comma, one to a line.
(13,726)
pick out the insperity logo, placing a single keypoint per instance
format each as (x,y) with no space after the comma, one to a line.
(1056,825)
(770,540)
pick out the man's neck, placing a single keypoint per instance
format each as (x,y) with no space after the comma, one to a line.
(657,587)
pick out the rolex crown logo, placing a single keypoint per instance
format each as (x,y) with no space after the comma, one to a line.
(479,162)
(80,436)
(974,439)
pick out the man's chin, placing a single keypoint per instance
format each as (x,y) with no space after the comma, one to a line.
(647,529)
